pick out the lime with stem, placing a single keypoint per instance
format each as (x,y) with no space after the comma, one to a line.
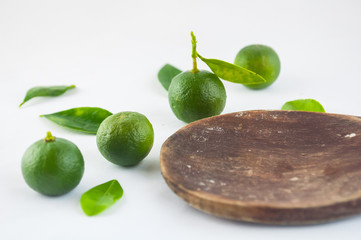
(52,166)
(196,94)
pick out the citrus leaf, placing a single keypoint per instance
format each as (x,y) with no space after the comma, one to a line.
(99,198)
(309,105)
(231,72)
(84,119)
(166,74)
(51,91)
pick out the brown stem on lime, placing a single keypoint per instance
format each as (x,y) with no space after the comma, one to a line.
(194,53)
(49,137)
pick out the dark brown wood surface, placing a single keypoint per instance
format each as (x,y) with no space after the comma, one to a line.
(274,167)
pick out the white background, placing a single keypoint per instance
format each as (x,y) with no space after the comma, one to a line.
(112,51)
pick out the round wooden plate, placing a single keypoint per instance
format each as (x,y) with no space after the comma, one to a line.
(274,167)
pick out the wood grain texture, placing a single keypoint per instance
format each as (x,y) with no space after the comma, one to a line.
(274,167)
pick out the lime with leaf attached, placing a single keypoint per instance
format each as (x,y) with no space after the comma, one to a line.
(196,94)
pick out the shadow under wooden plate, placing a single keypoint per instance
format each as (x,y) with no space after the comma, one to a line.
(273,167)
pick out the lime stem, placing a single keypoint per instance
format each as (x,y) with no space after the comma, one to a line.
(194,53)
(49,137)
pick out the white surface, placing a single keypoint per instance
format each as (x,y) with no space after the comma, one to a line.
(112,51)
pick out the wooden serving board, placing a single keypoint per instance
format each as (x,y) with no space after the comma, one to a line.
(274,167)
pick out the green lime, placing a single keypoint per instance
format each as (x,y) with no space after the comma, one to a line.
(196,95)
(260,59)
(52,166)
(125,138)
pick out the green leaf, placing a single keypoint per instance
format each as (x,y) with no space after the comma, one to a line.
(51,91)
(166,74)
(231,72)
(309,105)
(99,198)
(84,119)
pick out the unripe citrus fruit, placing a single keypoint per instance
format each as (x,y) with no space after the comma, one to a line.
(125,138)
(193,96)
(52,166)
(260,59)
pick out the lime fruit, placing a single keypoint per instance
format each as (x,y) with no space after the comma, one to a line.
(260,59)
(52,166)
(196,95)
(125,138)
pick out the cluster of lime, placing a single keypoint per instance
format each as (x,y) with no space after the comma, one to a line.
(54,166)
